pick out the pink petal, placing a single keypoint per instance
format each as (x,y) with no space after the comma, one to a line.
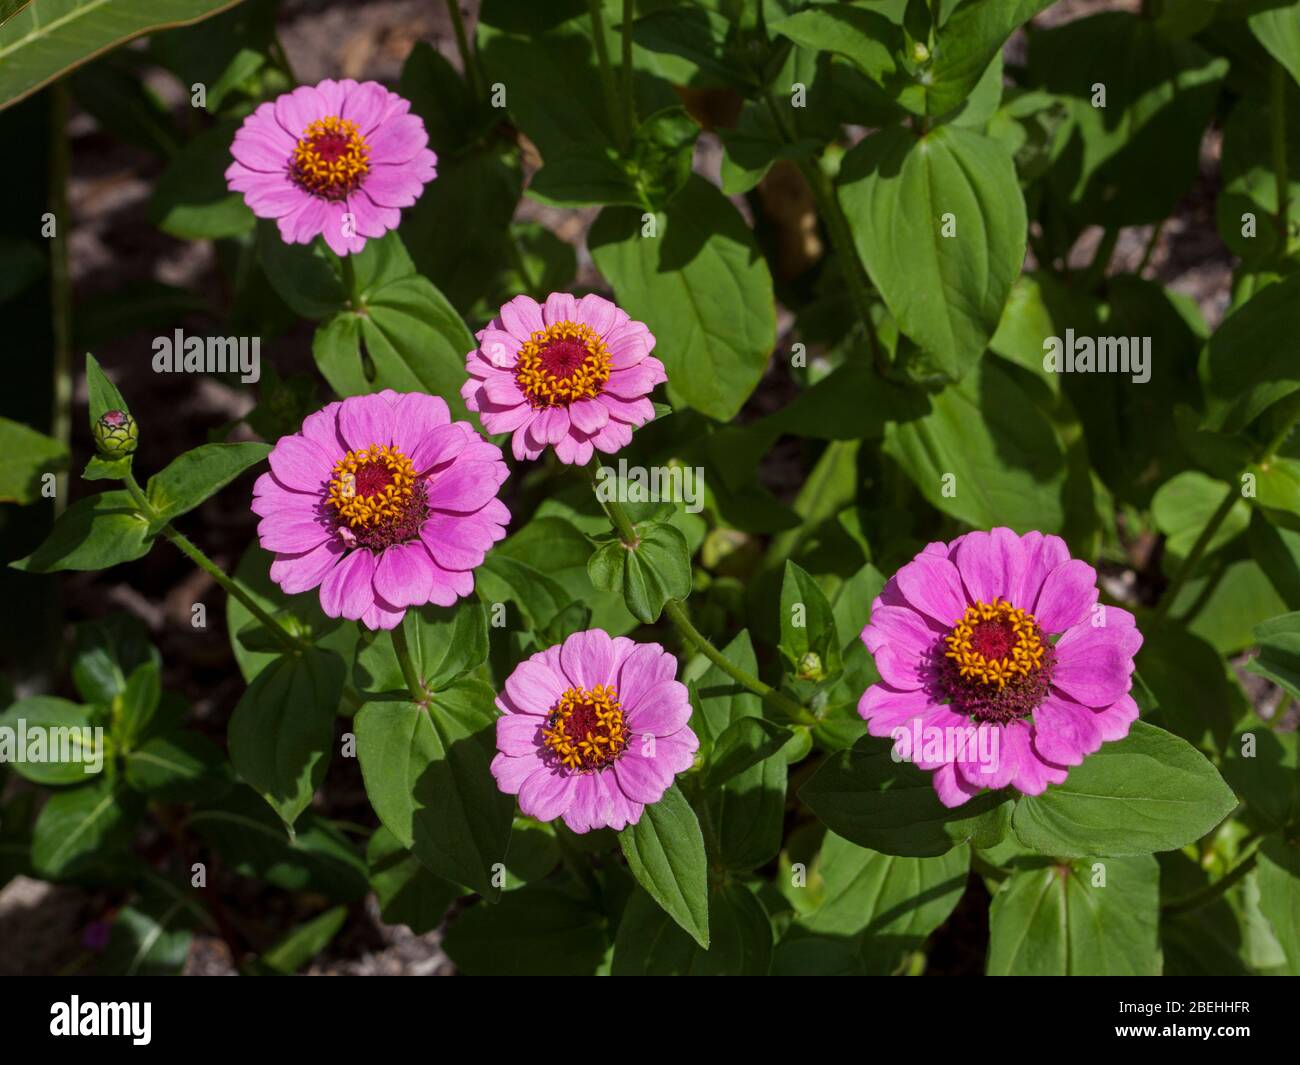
(588,658)
(933,586)
(547,793)
(1067,596)
(347,591)
(534,687)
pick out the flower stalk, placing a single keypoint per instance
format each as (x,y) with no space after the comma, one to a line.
(409,673)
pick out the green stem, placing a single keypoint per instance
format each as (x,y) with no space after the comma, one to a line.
(281,58)
(233,589)
(1096,271)
(629,100)
(412,676)
(837,228)
(676,613)
(1218,888)
(1277,113)
(350,282)
(467,58)
(613,509)
(60,284)
(607,73)
(1150,249)
(520,264)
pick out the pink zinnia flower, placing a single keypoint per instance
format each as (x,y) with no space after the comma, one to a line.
(384,502)
(337,159)
(575,373)
(594,730)
(998,666)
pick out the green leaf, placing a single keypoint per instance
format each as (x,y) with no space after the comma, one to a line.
(1279,895)
(1182,507)
(900,192)
(148,939)
(740,938)
(104,395)
(78,826)
(1253,358)
(657,569)
(408,893)
(445,642)
(867,39)
(984,454)
(46,39)
(699,36)
(539,930)
(196,475)
(1279,652)
(895,902)
(686,283)
(665,851)
(810,641)
(140,698)
(59,737)
(1160,96)
(178,767)
(253,841)
(1082,918)
(540,598)
(1277,27)
(191,200)
(868,798)
(25,457)
(1263,768)
(427,774)
(93,534)
(282,731)
(291,952)
(1150,791)
(743,744)
(107,652)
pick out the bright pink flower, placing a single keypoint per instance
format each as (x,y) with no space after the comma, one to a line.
(338,159)
(594,730)
(998,666)
(575,373)
(384,502)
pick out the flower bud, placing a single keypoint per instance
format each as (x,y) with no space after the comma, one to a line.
(116,434)
(810,667)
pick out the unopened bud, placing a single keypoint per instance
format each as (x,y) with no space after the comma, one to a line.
(810,667)
(920,53)
(116,434)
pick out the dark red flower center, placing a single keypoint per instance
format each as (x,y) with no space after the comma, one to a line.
(585,729)
(994,664)
(373,479)
(993,639)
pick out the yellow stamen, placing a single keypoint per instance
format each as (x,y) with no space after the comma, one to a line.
(387,469)
(535,371)
(586,728)
(331,157)
(1025,655)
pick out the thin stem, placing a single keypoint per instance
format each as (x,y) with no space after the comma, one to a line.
(629,100)
(350,282)
(60,284)
(676,613)
(1194,555)
(1217,888)
(1150,249)
(1096,271)
(467,58)
(1277,112)
(837,228)
(412,676)
(607,73)
(613,508)
(233,589)
(281,58)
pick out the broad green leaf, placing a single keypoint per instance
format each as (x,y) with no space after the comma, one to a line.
(25,457)
(107,652)
(51,741)
(657,569)
(1091,917)
(104,395)
(291,952)
(700,37)
(868,798)
(894,902)
(1199,698)
(939,222)
(1253,359)
(426,771)
(93,534)
(282,730)
(1279,895)
(1263,769)
(701,286)
(1150,791)
(192,200)
(539,930)
(740,938)
(984,454)
(178,767)
(49,37)
(407,892)
(148,939)
(539,597)
(810,641)
(1249,181)
(865,38)
(1160,96)
(1277,27)
(79,826)
(744,743)
(665,851)
(132,716)
(196,475)
(253,841)
(445,643)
